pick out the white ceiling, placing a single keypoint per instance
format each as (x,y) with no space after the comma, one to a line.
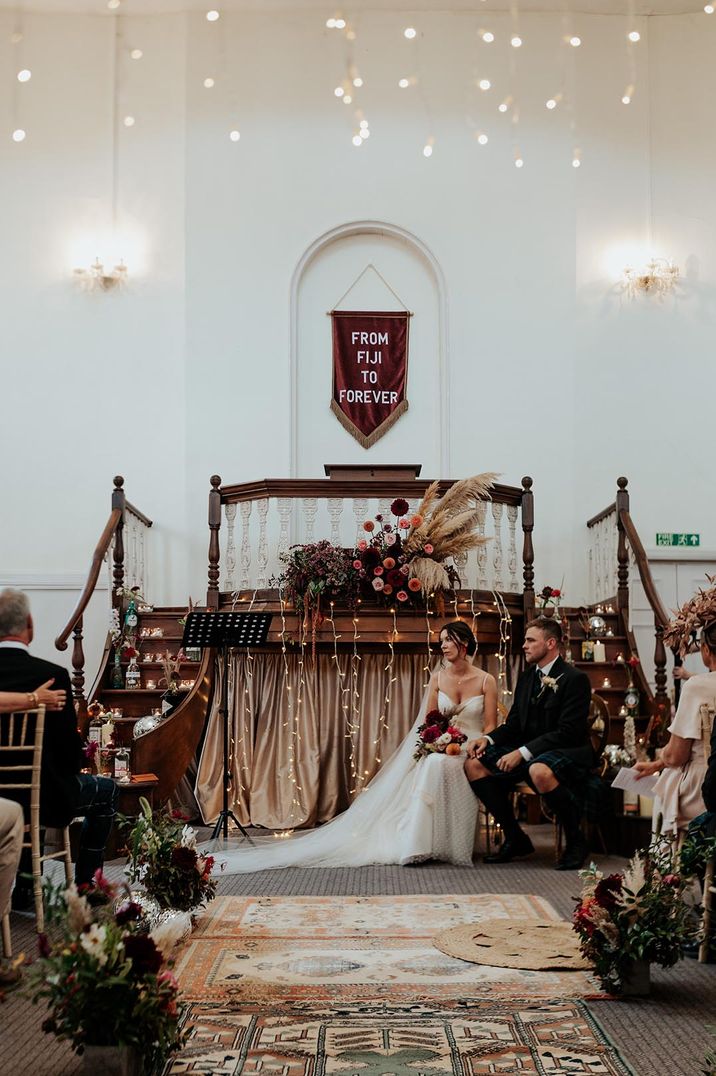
(322,11)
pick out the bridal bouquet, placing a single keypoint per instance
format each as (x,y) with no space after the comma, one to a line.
(437,736)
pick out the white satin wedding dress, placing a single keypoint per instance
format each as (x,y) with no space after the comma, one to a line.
(410,811)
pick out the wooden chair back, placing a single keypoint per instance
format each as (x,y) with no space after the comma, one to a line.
(21,735)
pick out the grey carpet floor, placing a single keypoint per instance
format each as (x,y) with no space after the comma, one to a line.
(664,1035)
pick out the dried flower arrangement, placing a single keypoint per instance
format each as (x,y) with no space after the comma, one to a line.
(695,614)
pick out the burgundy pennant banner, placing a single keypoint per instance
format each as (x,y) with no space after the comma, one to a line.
(370,371)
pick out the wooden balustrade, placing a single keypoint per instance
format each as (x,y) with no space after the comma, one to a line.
(112,536)
(613,529)
(274,514)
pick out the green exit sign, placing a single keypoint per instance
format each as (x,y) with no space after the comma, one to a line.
(690,540)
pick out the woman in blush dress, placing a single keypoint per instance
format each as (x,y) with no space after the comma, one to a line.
(412,810)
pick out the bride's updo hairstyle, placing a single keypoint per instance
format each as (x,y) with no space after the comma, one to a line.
(458,631)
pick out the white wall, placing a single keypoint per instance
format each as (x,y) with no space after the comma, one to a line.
(551,373)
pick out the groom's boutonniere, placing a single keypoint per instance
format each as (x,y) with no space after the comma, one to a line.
(551,682)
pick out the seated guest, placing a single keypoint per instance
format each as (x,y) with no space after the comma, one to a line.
(682,762)
(64,792)
(11,827)
(544,741)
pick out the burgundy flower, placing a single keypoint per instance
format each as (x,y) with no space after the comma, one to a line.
(402,596)
(672,880)
(607,890)
(395,578)
(128,912)
(399,507)
(430,734)
(145,957)
(184,858)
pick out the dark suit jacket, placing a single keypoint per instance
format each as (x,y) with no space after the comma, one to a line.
(565,712)
(62,756)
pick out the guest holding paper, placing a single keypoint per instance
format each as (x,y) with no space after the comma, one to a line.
(682,762)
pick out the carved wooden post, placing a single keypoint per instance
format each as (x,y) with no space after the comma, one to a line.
(622,505)
(119,500)
(78,667)
(528,553)
(212,593)
(662,703)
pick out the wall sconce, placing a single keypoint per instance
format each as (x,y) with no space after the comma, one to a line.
(96,278)
(657,277)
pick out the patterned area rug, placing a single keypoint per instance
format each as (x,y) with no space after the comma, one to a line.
(348,949)
(377,1039)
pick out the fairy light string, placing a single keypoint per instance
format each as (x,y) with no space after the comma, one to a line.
(344,690)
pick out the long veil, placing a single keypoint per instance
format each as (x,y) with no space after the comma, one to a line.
(368,832)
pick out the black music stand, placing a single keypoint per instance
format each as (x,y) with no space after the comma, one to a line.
(224,631)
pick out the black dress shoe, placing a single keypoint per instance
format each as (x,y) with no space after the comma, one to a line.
(515,849)
(573,857)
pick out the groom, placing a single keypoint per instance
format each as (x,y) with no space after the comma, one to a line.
(544,741)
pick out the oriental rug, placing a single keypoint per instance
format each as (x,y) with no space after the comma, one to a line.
(228,1038)
(275,950)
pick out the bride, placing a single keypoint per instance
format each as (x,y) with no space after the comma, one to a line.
(411,811)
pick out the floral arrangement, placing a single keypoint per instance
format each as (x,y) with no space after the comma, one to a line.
(171,666)
(639,914)
(437,736)
(317,572)
(381,563)
(163,857)
(697,613)
(549,598)
(103,977)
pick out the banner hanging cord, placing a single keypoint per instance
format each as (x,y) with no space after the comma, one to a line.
(378,273)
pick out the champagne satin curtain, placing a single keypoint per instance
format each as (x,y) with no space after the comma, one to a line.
(290,761)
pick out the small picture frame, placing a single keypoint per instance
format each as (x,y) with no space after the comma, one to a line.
(587,650)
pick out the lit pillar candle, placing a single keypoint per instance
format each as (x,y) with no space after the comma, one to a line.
(600,651)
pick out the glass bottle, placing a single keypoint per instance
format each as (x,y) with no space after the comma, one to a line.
(94,732)
(133,679)
(121,765)
(130,618)
(116,679)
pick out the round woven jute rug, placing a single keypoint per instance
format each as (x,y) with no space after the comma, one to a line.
(537,945)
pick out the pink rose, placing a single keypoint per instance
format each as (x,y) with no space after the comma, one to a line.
(357,564)
(402,596)
(427,548)
(404,524)
(389,539)
(362,545)
(378,570)
(378,584)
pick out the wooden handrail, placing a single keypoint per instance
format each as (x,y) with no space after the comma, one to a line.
(642,563)
(98,556)
(140,515)
(604,514)
(344,487)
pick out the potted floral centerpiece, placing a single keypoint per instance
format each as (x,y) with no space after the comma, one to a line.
(549,598)
(630,920)
(106,982)
(163,857)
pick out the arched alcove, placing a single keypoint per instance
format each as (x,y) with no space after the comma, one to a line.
(327,269)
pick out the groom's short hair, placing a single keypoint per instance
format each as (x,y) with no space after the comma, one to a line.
(551,628)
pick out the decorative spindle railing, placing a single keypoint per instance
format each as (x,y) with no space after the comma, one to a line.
(253,523)
(614,546)
(126,525)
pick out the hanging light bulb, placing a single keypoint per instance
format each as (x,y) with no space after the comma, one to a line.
(339,91)
(482,138)
(410,32)
(208,83)
(504,105)
(357,140)
(428,147)
(25,75)
(136,54)
(709,9)
(357,82)
(403,83)
(634,36)
(552,103)
(340,24)
(519,163)
(488,37)
(113,4)
(331,24)
(234,135)
(128,121)
(577,158)
(484,84)
(18,135)
(347,99)
(212,16)
(575,41)
(364,125)
(628,94)
(516,41)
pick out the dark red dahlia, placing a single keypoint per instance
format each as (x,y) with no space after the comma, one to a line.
(399,507)
(183,858)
